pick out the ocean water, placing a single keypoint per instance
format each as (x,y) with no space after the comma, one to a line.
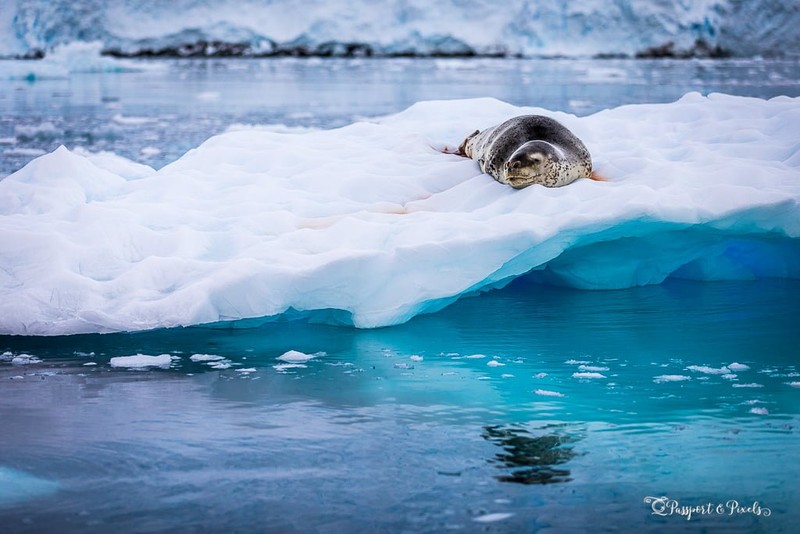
(156,115)
(534,408)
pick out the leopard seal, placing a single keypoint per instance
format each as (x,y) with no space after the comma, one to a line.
(527,150)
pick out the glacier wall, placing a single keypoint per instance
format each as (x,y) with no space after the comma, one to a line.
(404,27)
(371,224)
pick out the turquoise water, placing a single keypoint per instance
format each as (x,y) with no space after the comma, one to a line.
(472,418)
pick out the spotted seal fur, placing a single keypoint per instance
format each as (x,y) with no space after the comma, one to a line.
(530,149)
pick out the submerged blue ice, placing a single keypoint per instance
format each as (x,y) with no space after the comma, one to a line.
(371,225)
(17,486)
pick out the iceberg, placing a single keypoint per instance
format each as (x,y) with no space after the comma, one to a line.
(371,224)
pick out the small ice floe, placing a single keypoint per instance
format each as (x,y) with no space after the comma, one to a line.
(142,361)
(207,95)
(131,121)
(592,368)
(670,378)
(709,370)
(547,393)
(89,364)
(735,366)
(222,364)
(403,365)
(795,384)
(205,358)
(286,366)
(494,363)
(25,359)
(577,362)
(759,411)
(750,385)
(730,376)
(474,357)
(491,518)
(506,375)
(540,375)
(150,151)
(26,152)
(295,356)
(415,358)
(247,370)
(588,375)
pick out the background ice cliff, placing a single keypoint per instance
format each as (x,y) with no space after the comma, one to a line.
(547,27)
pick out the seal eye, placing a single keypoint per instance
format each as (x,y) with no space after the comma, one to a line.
(525,160)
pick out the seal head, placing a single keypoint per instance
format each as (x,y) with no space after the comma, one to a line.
(530,164)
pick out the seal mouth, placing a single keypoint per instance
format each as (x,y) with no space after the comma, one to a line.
(518,181)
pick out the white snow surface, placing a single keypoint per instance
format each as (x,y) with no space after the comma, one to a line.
(370,225)
(545,27)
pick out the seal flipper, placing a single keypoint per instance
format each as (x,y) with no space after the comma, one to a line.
(462,148)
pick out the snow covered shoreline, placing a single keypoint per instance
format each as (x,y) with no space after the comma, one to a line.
(370,225)
(578,28)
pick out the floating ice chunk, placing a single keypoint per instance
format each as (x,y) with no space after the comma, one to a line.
(141,361)
(547,393)
(415,358)
(287,366)
(365,231)
(738,367)
(294,356)
(588,375)
(247,370)
(220,365)
(132,121)
(759,411)
(205,358)
(492,518)
(750,385)
(506,375)
(22,151)
(592,368)
(577,362)
(731,376)
(540,375)
(25,359)
(709,370)
(670,378)
(795,384)
(150,151)
(89,364)
(494,363)
(208,95)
